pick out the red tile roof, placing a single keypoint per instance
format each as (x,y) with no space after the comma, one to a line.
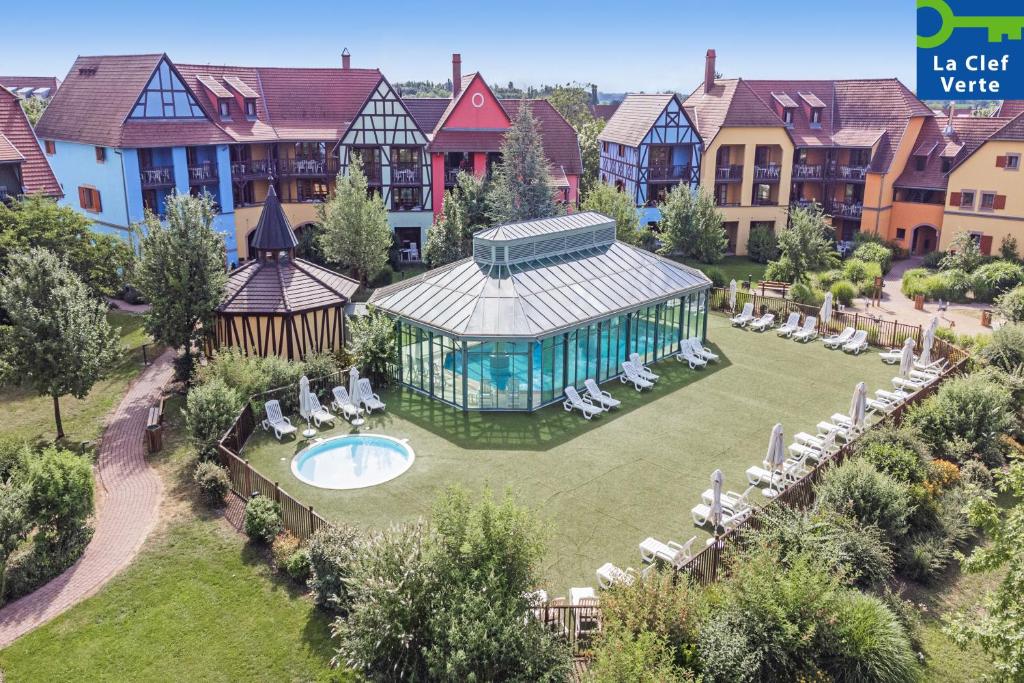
(8,152)
(16,131)
(967,135)
(729,103)
(634,118)
(278,287)
(1013,130)
(34,82)
(1007,109)
(604,111)
(426,111)
(561,146)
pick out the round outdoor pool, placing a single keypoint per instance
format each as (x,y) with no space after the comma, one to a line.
(354,461)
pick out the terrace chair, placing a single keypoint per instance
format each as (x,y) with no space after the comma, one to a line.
(842,432)
(763,323)
(934,368)
(809,331)
(836,340)
(744,317)
(731,500)
(701,351)
(644,371)
(652,550)
(276,421)
(630,374)
(791,325)
(701,513)
(821,446)
(367,398)
(588,618)
(599,397)
(879,406)
(608,575)
(907,385)
(573,400)
(343,402)
(845,422)
(687,355)
(761,474)
(317,413)
(893,397)
(893,356)
(858,343)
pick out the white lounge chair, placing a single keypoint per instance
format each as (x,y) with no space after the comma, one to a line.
(608,575)
(343,403)
(317,413)
(599,397)
(744,317)
(934,368)
(836,340)
(907,385)
(687,355)
(731,500)
(651,549)
(763,323)
(701,514)
(824,427)
(791,325)
(893,356)
(701,351)
(894,397)
(367,398)
(573,400)
(858,343)
(276,421)
(808,331)
(823,444)
(630,374)
(644,371)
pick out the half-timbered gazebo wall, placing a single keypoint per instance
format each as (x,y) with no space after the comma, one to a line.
(293,335)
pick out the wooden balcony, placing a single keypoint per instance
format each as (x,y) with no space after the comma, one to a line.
(670,172)
(253,169)
(808,171)
(157,176)
(852,173)
(202,173)
(848,209)
(769,173)
(406,174)
(732,173)
(315,168)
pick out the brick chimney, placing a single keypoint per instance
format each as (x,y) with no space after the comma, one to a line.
(346,59)
(593,93)
(709,71)
(456,74)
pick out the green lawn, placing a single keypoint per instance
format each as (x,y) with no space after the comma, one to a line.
(737,268)
(30,416)
(605,485)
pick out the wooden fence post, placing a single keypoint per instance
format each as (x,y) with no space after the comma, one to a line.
(248,479)
(277,493)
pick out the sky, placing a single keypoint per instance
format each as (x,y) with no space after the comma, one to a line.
(621,46)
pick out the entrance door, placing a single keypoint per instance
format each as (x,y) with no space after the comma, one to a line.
(925,239)
(409,248)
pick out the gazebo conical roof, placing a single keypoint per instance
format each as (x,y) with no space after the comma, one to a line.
(273,231)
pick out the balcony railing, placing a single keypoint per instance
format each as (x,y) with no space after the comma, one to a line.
(853,172)
(406,174)
(723,202)
(804,203)
(759,201)
(848,209)
(157,176)
(731,173)
(451,176)
(807,171)
(670,172)
(203,173)
(769,172)
(315,168)
(253,169)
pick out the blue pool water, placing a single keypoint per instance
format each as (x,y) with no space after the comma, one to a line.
(353,461)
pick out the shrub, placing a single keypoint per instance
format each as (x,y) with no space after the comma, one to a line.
(996,278)
(61,489)
(184,367)
(964,254)
(942,475)
(933,260)
(828,278)
(875,253)
(1011,305)
(903,437)
(805,294)
(780,270)
(332,550)
(716,275)
(857,489)
(320,365)
(13,456)
(262,519)
(975,473)
(1006,349)
(643,657)
(45,558)
(724,649)
(954,283)
(762,246)
(902,464)
(284,545)
(209,410)
(872,643)
(298,566)
(212,481)
(912,282)
(844,292)
(924,556)
(861,272)
(1008,248)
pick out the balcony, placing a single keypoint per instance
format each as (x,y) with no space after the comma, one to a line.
(848,209)
(768,173)
(807,171)
(761,201)
(157,176)
(253,169)
(731,173)
(803,203)
(202,173)
(671,172)
(853,173)
(316,168)
(725,202)
(406,174)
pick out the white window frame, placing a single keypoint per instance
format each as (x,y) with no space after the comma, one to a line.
(963,195)
(981,201)
(1016,162)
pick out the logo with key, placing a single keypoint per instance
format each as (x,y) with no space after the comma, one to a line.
(970,50)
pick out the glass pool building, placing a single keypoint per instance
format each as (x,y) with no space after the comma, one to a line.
(540,305)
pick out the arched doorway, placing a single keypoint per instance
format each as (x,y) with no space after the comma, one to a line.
(924,239)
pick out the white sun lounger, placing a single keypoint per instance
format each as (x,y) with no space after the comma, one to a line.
(824,427)
(836,340)
(608,575)
(731,500)
(743,317)
(599,397)
(908,385)
(791,325)
(761,474)
(574,401)
(276,421)
(367,398)
(343,403)
(824,444)
(651,549)
(630,374)
(809,330)
(934,368)
(700,350)
(763,323)
(317,413)
(688,355)
(858,343)
(893,356)
(644,371)
(894,397)
(701,513)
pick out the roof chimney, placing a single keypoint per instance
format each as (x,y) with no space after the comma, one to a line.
(346,59)
(593,93)
(948,130)
(456,74)
(709,71)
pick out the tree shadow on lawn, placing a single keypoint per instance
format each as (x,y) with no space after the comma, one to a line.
(539,431)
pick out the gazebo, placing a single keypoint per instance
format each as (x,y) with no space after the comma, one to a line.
(541,305)
(280,305)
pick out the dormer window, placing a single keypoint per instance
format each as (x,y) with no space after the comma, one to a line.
(787,116)
(919,162)
(816,117)
(224,108)
(947,163)
(250,107)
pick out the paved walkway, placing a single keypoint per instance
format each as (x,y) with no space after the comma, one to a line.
(128,495)
(123,305)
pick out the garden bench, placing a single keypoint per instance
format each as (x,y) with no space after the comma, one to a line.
(154,427)
(775,285)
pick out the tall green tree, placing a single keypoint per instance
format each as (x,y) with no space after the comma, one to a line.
(34,108)
(373,344)
(807,243)
(691,225)
(521,189)
(181,272)
(573,102)
(964,253)
(590,153)
(355,232)
(59,341)
(618,205)
(465,212)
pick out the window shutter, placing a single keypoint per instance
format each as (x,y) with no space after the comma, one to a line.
(1001,161)
(954,199)
(985,245)
(82,200)
(1000,202)
(97,204)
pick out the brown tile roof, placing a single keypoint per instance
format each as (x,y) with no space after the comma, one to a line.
(1007,109)
(561,145)
(426,111)
(968,134)
(634,118)
(783,99)
(291,285)
(16,131)
(1013,130)
(34,82)
(604,111)
(729,103)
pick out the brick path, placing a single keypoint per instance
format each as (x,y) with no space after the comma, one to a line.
(128,496)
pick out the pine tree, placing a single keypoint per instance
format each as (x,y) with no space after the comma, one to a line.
(59,341)
(355,231)
(445,240)
(521,189)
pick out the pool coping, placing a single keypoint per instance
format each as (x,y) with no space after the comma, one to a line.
(404,443)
